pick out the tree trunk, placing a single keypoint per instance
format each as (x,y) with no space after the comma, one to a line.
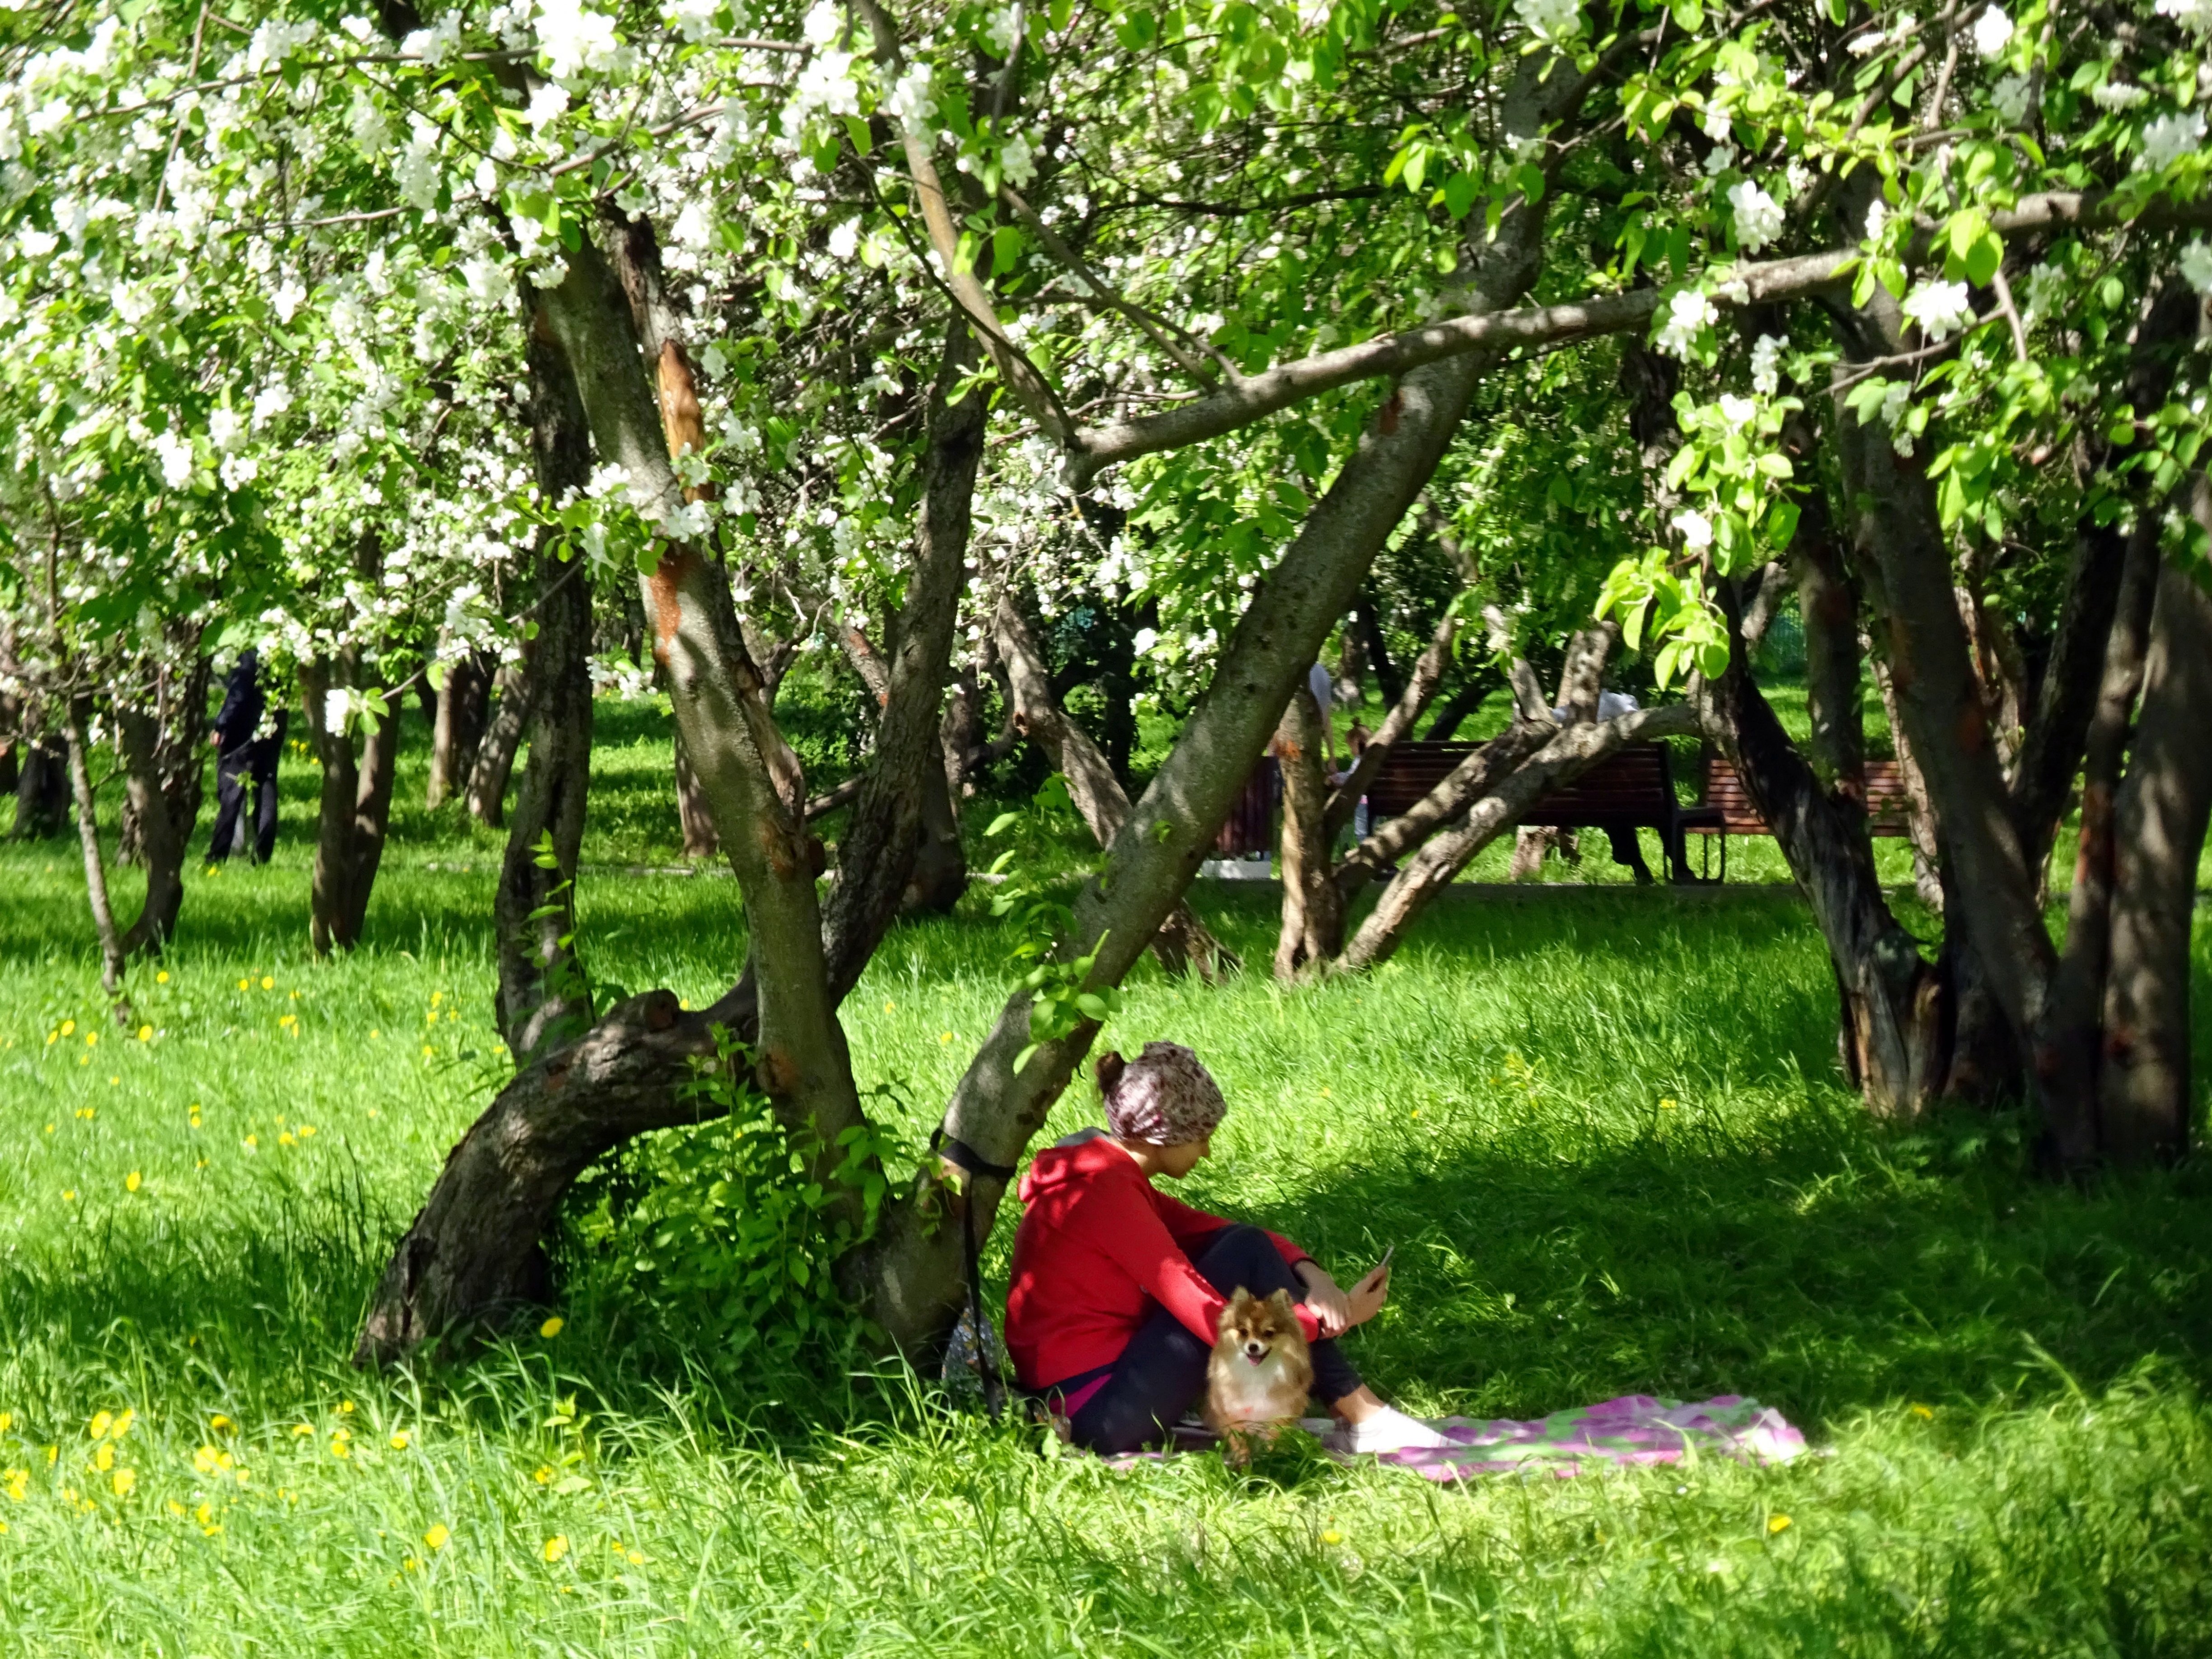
(42,789)
(1368,618)
(1411,698)
(457,732)
(693,816)
(502,738)
(1313,912)
(2143,1098)
(1181,942)
(545,1001)
(177,765)
(877,856)
(162,836)
(87,829)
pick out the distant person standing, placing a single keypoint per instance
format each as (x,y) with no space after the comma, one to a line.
(246,759)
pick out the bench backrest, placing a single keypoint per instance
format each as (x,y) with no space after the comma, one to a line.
(1888,806)
(1632,785)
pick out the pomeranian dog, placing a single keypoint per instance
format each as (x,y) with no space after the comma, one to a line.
(1260,1372)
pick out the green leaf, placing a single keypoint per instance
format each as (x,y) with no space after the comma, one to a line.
(1983,257)
(1689,15)
(1460,190)
(1001,824)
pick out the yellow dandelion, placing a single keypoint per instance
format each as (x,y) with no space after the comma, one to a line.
(1667,1105)
(284,1140)
(427,1051)
(551,1327)
(1776,1523)
(145,1033)
(69,1027)
(267,982)
(175,1508)
(544,1477)
(101,1422)
(252,1143)
(162,978)
(888,1004)
(103,1459)
(7,1421)
(346,1409)
(19,1483)
(945,1036)
(244,985)
(124,1481)
(121,1425)
(90,1038)
(1923,1413)
(220,1423)
(306,1130)
(208,1459)
(132,1182)
(436,1538)
(340,1447)
(635,1559)
(555,1548)
(69,1194)
(399,1439)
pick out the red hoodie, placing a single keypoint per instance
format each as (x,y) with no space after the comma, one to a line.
(1099,1247)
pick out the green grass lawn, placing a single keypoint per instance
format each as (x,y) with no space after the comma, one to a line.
(1603,1127)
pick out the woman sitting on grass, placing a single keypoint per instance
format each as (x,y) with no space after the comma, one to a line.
(1118,1289)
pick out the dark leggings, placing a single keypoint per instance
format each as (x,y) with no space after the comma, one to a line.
(1163,1370)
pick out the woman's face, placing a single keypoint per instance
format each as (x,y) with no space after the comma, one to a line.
(1178,1161)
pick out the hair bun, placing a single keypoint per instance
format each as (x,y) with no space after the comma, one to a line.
(1109,1067)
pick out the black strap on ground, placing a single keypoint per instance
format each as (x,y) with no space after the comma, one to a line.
(958,1153)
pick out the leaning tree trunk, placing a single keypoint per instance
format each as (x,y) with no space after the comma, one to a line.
(457,732)
(87,829)
(502,737)
(545,1001)
(916,1272)
(1182,942)
(2143,1097)
(1313,910)
(161,837)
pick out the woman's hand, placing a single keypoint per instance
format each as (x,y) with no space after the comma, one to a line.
(1331,1307)
(1369,1294)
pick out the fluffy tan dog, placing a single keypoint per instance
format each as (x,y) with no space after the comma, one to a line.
(1260,1373)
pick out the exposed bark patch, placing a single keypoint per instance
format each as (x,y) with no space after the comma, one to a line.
(666,582)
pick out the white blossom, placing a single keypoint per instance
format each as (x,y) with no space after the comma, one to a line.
(175,453)
(1941,309)
(1719,160)
(825,84)
(2197,265)
(271,401)
(912,101)
(2045,284)
(999,31)
(372,133)
(416,172)
(1697,530)
(226,429)
(1738,412)
(2010,97)
(694,19)
(1689,314)
(1016,162)
(2195,15)
(437,43)
(239,470)
(1993,32)
(844,240)
(36,244)
(1767,365)
(1758,216)
(1549,20)
(1717,125)
(824,22)
(548,103)
(288,299)
(486,279)
(2117,95)
(2169,139)
(132,304)
(574,40)
(1895,397)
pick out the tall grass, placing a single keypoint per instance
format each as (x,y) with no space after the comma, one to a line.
(1603,1129)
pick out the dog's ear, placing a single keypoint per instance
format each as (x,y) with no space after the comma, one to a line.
(1239,1303)
(1281,1302)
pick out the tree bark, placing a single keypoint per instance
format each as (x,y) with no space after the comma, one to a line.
(1181,942)
(877,856)
(494,767)
(544,1000)
(457,732)
(1376,644)
(176,763)
(1313,912)
(695,818)
(2143,1097)
(42,789)
(162,834)
(87,829)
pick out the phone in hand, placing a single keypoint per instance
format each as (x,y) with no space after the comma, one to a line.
(1376,1272)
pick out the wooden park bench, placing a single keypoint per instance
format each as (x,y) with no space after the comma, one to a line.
(1631,790)
(1726,808)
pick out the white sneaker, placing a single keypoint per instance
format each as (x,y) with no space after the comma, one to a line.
(1388,1430)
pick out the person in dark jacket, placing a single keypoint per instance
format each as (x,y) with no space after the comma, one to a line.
(246,760)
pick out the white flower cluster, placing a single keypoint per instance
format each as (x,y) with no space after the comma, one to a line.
(1001,29)
(1758,216)
(1767,365)
(438,43)
(2195,15)
(1549,20)
(1697,530)
(912,101)
(2117,95)
(2011,97)
(2169,139)
(1993,32)
(1941,309)
(2196,263)
(574,40)
(1689,314)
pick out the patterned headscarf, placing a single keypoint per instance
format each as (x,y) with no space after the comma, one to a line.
(1164,1096)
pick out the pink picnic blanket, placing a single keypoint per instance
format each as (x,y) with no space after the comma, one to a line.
(1631,1431)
